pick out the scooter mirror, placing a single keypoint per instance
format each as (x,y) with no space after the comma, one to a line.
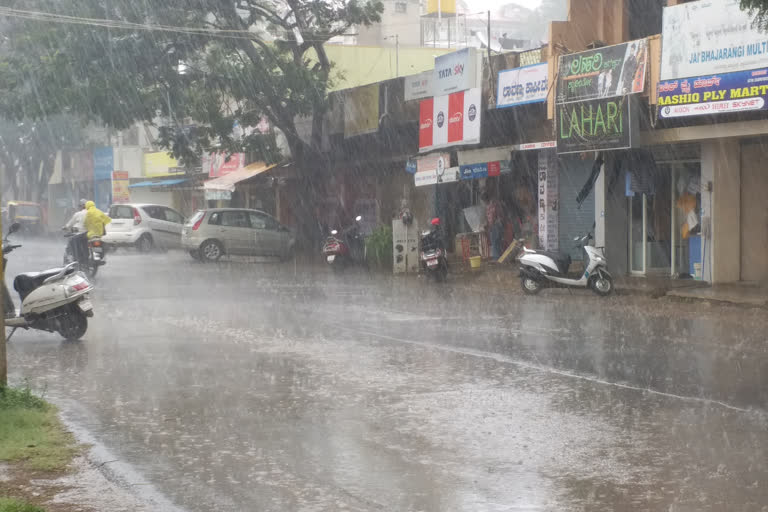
(577,239)
(358,218)
(14,228)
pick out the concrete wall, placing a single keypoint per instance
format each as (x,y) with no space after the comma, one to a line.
(754,211)
(721,210)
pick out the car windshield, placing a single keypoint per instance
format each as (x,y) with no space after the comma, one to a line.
(26,210)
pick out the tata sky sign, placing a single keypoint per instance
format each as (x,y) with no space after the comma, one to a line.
(522,85)
(710,36)
(714,94)
(455,72)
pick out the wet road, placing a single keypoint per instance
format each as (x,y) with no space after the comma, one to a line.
(251,386)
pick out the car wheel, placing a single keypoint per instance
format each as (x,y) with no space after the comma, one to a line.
(211,250)
(145,243)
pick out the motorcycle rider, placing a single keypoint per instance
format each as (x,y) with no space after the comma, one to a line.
(78,244)
(95,220)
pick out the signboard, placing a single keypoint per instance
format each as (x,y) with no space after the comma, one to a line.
(528,146)
(361,110)
(120,192)
(411,166)
(450,120)
(474,171)
(593,125)
(159,164)
(713,36)
(714,94)
(454,72)
(433,161)
(548,201)
(604,72)
(433,177)
(519,86)
(216,164)
(103,163)
(419,86)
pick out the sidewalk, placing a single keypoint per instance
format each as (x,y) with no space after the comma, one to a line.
(743,294)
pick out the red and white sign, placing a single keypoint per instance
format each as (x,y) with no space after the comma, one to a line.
(452,119)
(550,144)
(216,164)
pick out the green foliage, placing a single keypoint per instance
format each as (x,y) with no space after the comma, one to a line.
(266,62)
(11,505)
(758,8)
(379,246)
(31,432)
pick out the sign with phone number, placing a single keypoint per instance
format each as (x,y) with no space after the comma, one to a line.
(722,93)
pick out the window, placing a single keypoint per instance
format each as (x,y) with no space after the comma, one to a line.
(401,7)
(121,212)
(156,212)
(173,216)
(263,221)
(235,219)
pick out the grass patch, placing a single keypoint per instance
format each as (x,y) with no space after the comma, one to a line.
(9,505)
(31,433)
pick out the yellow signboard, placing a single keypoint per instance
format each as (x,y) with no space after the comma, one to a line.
(158,164)
(444,6)
(361,110)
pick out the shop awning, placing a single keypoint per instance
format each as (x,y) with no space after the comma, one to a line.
(161,183)
(227,182)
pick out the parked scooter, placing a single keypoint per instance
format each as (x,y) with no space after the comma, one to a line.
(96,253)
(539,269)
(434,261)
(344,248)
(54,300)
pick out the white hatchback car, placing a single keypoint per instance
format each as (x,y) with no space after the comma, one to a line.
(144,226)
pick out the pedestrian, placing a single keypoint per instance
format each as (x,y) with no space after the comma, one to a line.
(494,216)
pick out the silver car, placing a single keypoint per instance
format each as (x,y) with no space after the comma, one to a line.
(210,234)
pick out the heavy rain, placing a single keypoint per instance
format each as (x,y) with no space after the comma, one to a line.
(400,255)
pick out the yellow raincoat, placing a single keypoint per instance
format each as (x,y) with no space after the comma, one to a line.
(95,220)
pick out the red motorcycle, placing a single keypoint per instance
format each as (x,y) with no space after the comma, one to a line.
(344,248)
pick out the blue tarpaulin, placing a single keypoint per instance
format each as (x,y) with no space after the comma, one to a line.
(161,183)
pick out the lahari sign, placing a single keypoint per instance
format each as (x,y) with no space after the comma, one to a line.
(594,124)
(523,85)
(712,36)
(604,72)
(453,119)
(456,71)
(714,94)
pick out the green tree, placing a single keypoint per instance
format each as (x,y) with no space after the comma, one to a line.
(759,8)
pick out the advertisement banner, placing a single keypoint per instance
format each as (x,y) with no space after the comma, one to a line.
(548,201)
(474,171)
(713,36)
(433,162)
(433,177)
(419,86)
(528,146)
(604,72)
(103,163)
(216,164)
(714,94)
(159,164)
(593,125)
(361,110)
(454,120)
(120,192)
(455,71)
(519,86)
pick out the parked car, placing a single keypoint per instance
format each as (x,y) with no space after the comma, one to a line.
(210,234)
(144,226)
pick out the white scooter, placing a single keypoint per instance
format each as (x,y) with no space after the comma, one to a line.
(539,269)
(55,300)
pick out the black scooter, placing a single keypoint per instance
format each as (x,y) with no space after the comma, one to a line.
(434,258)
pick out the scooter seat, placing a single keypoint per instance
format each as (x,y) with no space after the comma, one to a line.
(25,283)
(561,259)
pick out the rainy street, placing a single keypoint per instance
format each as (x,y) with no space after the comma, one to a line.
(264,386)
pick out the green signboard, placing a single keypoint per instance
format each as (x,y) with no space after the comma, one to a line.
(591,125)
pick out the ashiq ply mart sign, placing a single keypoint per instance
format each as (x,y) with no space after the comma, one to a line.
(710,36)
(455,72)
(594,125)
(715,94)
(609,71)
(523,85)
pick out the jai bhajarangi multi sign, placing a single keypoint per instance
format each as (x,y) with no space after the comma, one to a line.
(715,94)
(453,119)
(523,85)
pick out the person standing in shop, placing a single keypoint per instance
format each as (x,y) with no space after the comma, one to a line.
(494,216)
